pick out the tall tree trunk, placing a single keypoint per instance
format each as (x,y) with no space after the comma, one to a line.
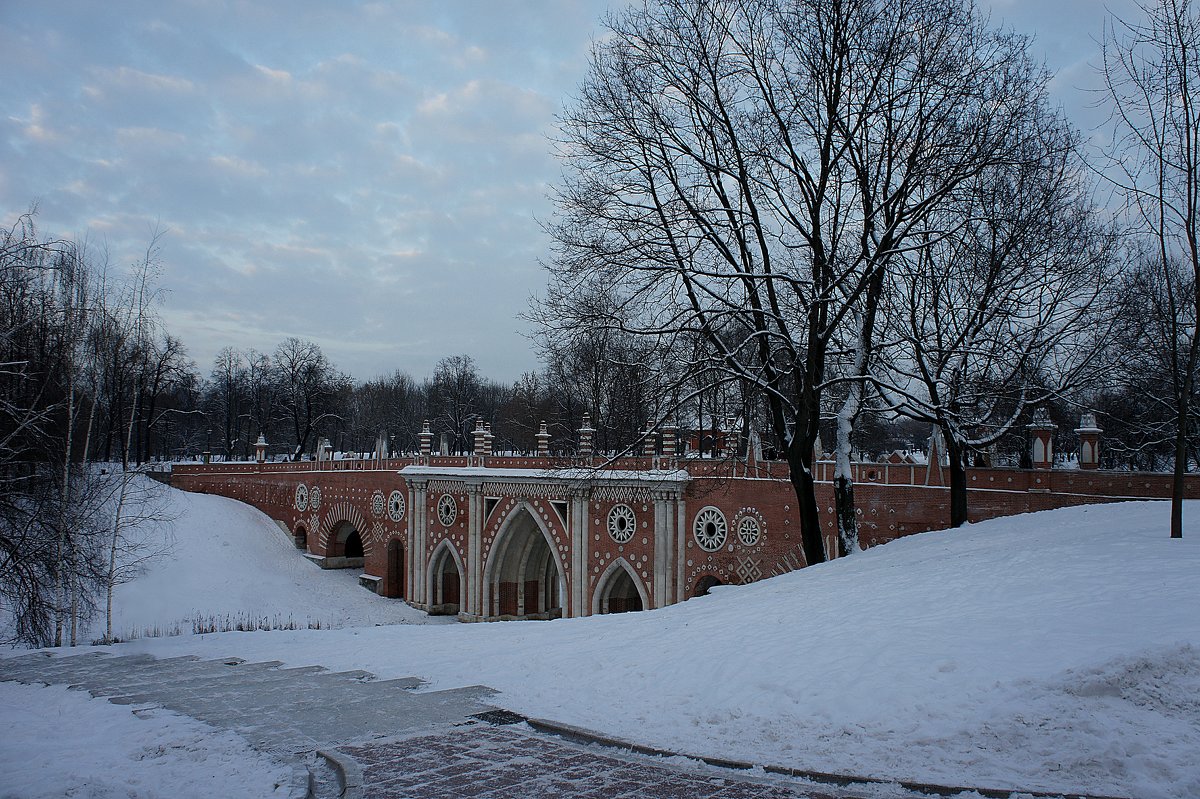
(1177,482)
(958,478)
(804,484)
(64,513)
(111,580)
(843,474)
(799,455)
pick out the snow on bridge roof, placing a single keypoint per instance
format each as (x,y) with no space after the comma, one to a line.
(573,474)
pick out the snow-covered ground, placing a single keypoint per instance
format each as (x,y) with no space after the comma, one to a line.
(1055,651)
(59,742)
(228,563)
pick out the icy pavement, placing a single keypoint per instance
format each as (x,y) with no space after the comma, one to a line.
(283,710)
(509,762)
(408,742)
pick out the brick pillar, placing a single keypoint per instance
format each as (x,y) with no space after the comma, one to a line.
(426,438)
(648,443)
(543,442)
(585,437)
(1089,441)
(1041,430)
(668,445)
(488,440)
(480,436)
(260,449)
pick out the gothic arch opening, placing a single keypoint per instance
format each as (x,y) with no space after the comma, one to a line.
(618,591)
(523,579)
(300,537)
(445,582)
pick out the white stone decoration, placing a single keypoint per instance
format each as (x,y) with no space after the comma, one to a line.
(396,506)
(749,529)
(301,501)
(710,529)
(378,503)
(447,510)
(621,523)
(314,498)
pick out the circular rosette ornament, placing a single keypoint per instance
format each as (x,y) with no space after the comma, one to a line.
(710,529)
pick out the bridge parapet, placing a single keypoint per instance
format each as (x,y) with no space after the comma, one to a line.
(535,537)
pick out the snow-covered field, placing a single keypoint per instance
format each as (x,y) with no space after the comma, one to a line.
(1053,651)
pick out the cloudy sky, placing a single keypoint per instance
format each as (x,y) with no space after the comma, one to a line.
(369,175)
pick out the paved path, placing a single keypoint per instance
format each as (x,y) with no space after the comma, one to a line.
(510,763)
(409,743)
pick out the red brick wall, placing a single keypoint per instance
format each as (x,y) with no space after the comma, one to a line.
(893,500)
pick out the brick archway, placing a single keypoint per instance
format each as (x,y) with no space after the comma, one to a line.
(704,584)
(619,590)
(445,581)
(524,575)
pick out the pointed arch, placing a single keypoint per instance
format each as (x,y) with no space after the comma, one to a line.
(445,583)
(610,579)
(524,575)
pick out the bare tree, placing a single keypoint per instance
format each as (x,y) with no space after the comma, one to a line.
(133,513)
(764,162)
(308,383)
(1151,68)
(227,395)
(1005,310)
(1139,402)
(454,398)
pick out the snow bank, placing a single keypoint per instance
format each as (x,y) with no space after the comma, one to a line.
(1050,651)
(228,561)
(73,745)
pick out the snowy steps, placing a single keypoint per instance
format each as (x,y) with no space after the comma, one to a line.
(286,710)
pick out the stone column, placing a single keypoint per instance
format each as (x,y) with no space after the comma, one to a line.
(1089,441)
(412,561)
(474,554)
(418,496)
(580,604)
(664,548)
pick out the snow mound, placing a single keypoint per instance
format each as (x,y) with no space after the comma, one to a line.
(228,563)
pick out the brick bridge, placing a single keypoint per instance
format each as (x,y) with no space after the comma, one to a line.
(491,537)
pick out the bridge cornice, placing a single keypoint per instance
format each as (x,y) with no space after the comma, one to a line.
(570,480)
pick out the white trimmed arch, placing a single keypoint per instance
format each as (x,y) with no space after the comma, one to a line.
(433,570)
(523,548)
(341,512)
(608,579)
